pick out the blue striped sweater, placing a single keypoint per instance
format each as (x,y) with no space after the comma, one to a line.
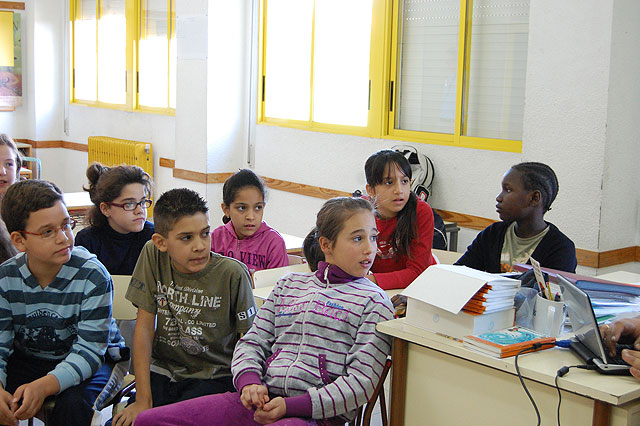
(318,338)
(69,320)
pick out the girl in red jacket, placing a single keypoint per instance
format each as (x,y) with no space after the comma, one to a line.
(405,224)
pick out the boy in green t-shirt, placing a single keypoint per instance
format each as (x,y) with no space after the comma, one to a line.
(193,305)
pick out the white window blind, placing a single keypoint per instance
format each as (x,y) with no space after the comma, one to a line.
(112,52)
(317,56)
(84,51)
(427,62)
(494,104)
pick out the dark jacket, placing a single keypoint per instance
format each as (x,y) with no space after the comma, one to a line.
(555,250)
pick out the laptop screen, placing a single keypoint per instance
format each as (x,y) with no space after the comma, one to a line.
(583,320)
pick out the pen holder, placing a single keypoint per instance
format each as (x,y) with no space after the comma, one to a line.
(548,316)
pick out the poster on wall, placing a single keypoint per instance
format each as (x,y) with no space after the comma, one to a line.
(11,76)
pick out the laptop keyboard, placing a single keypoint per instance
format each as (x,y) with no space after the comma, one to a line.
(617,359)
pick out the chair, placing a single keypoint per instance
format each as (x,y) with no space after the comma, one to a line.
(269,277)
(363,416)
(125,314)
(38,173)
(446,257)
(294,259)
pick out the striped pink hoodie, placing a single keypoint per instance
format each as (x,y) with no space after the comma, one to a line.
(315,342)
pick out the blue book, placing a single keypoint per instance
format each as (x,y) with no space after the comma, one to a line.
(508,342)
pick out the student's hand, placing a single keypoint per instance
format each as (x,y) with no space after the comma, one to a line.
(633,358)
(371,277)
(399,304)
(271,412)
(612,333)
(254,396)
(32,395)
(129,414)
(6,414)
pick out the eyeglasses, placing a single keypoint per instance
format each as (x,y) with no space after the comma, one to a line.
(132,205)
(52,232)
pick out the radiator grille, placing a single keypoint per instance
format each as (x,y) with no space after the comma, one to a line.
(115,152)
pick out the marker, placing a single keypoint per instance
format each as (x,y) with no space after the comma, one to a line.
(557,298)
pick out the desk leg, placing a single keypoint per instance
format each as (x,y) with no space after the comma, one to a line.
(601,413)
(398,381)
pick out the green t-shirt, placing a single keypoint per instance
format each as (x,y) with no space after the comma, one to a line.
(198,316)
(516,249)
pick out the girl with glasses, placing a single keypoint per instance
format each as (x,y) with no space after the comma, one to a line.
(118,226)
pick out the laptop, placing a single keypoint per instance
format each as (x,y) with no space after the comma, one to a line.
(587,343)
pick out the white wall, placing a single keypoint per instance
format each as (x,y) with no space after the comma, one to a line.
(620,196)
(17,123)
(581,98)
(564,126)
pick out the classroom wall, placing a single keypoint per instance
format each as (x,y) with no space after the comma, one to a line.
(580,99)
(16,123)
(566,124)
(620,196)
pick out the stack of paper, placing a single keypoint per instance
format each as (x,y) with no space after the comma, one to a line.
(611,298)
(457,301)
(493,297)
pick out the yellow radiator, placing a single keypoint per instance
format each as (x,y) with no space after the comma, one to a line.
(114,152)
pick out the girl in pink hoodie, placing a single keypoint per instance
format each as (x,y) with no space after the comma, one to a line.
(244,236)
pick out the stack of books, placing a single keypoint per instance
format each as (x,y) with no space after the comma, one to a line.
(457,301)
(494,297)
(508,342)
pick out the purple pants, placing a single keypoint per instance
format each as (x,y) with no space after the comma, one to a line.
(223,409)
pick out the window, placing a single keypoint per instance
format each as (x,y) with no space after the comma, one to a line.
(447,72)
(316,59)
(124,53)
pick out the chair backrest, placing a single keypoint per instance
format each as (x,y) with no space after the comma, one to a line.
(446,257)
(269,277)
(294,259)
(122,308)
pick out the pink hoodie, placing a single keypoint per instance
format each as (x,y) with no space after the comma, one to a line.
(263,250)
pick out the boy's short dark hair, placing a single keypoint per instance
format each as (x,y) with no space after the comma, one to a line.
(175,204)
(25,197)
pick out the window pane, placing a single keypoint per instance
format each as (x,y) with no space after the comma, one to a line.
(498,62)
(153,56)
(341,61)
(84,50)
(112,50)
(427,64)
(288,59)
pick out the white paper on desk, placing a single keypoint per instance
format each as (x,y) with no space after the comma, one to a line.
(450,287)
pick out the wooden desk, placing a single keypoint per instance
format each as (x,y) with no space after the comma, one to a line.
(621,277)
(293,244)
(438,381)
(78,204)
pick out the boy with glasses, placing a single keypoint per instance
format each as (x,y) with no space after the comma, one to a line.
(55,312)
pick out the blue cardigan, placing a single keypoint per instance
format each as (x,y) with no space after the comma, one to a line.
(555,250)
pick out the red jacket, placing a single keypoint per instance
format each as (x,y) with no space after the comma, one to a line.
(393,271)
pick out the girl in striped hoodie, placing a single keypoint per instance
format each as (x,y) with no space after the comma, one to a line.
(313,355)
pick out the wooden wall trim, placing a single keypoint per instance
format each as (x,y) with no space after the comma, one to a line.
(56,144)
(466,220)
(300,188)
(167,162)
(15,5)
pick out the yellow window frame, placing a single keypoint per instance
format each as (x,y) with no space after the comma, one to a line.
(133,17)
(458,138)
(372,129)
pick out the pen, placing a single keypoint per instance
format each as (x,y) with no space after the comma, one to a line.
(446,336)
(557,298)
